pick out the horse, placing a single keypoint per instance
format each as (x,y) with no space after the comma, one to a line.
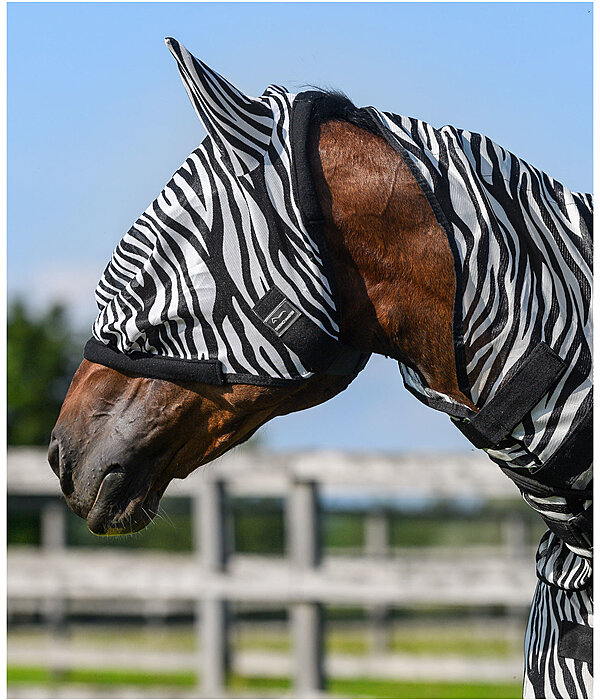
(360,250)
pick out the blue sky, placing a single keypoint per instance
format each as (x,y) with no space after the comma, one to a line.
(98,121)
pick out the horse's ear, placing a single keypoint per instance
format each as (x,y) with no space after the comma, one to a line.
(242,124)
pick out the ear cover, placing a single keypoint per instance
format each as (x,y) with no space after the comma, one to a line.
(226,276)
(241,125)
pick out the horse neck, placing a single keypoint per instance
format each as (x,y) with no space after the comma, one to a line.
(391,259)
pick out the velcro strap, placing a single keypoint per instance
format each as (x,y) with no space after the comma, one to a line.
(535,487)
(318,351)
(146,365)
(577,531)
(516,397)
(571,460)
(575,642)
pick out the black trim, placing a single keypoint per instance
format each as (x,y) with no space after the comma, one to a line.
(144,364)
(173,369)
(459,345)
(520,393)
(577,451)
(302,181)
(456,411)
(551,487)
(317,350)
(570,461)
(577,531)
(180,370)
(517,395)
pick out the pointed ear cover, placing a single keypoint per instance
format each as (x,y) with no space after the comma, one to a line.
(242,125)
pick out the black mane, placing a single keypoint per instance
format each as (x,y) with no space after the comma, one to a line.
(335,105)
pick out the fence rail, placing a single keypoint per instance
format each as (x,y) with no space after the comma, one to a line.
(464,475)
(212,577)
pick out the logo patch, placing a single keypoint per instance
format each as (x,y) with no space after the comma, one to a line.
(282,317)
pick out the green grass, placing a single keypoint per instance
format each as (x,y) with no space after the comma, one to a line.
(369,688)
(43,676)
(358,688)
(440,640)
(463,643)
(455,641)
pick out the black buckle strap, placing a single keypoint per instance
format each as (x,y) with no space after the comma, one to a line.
(516,397)
(519,394)
(566,464)
(317,349)
(577,531)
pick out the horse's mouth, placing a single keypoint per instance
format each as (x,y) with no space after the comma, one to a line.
(116,512)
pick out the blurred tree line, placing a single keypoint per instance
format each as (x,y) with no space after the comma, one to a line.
(42,356)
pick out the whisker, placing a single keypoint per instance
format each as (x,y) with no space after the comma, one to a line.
(166,516)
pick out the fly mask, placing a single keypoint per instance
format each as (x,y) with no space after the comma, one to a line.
(225,277)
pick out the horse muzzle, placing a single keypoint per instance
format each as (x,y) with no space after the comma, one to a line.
(114,497)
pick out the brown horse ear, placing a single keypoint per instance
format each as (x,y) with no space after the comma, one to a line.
(242,124)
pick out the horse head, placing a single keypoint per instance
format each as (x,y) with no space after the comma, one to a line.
(255,285)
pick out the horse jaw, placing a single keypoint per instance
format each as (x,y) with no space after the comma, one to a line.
(120,440)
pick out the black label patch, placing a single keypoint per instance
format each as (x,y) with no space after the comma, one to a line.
(576,642)
(282,317)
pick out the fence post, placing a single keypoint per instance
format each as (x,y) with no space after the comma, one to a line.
(211,613)
(514,536)
(306,617)
(53,536)
(514,531)
(377,545)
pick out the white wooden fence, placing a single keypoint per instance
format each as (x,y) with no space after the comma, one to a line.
(304,580)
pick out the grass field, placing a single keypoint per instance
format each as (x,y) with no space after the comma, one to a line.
(471,640)
(357,688)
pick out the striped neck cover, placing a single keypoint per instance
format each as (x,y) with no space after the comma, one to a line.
(522,251)
(522,248)
(225,276)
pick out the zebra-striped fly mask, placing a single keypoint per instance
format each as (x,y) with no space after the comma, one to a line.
(225,276)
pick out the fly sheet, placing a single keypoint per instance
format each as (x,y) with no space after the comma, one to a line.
(522,251)
(522,248)
(226,278)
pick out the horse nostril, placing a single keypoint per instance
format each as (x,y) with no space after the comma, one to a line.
(54,456)
(60,466)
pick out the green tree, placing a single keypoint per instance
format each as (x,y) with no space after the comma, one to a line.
(40,364)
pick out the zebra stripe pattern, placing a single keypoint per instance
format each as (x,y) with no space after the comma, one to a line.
(226,229)
(523,253)
(549,673)
(559,566)
(523,260)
